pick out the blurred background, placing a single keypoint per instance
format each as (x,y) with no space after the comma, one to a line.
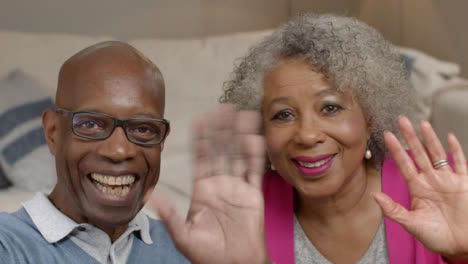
(434,26)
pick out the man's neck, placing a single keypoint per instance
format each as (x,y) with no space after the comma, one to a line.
(60,202)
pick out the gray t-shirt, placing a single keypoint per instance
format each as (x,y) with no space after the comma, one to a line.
(305,251)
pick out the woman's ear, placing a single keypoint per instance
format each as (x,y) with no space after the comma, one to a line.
(50,126)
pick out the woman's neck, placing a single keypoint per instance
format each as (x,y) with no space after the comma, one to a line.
(348,220)
(353,199)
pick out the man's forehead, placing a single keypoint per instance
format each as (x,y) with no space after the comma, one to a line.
(110,52)
(107,62)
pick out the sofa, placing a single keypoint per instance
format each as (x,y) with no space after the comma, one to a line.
(194,71)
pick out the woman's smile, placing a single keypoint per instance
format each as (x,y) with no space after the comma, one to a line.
(314,167)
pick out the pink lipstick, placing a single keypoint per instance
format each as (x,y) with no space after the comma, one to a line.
(314,166)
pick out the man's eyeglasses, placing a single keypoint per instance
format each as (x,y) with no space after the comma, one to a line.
(141,131)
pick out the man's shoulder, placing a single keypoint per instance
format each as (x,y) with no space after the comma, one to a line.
(156,226)
(159,233)
(17,221)
(163,249)
(19,237)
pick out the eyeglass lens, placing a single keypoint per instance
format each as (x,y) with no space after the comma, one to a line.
(95,126)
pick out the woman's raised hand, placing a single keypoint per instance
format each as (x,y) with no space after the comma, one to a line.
(439,194)
(225,222)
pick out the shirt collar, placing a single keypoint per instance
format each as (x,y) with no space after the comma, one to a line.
(141,223)
(55,225)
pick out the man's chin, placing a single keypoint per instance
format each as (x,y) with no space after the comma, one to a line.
(112,218)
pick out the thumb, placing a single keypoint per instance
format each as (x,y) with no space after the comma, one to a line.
(174,223)
(393,210)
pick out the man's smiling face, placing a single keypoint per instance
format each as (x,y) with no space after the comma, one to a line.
(104,182)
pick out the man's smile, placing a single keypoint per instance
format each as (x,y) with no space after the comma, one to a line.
(113,185)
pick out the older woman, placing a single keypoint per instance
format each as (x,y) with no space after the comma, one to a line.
(330,91)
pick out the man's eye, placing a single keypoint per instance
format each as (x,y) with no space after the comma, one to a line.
(144,130)
(285,115)
(90,124)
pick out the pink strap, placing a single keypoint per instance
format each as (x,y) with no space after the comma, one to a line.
(279,219)
(402,247)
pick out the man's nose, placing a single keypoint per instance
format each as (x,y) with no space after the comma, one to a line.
(116,147)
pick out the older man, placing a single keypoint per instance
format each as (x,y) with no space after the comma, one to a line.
(106,133)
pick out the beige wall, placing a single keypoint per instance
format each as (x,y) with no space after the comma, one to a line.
(126,19)
(439,28)
(434,26)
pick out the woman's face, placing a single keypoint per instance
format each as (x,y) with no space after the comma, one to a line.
(316,136)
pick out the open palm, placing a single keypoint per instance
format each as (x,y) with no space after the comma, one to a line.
(225,222)
(439,196)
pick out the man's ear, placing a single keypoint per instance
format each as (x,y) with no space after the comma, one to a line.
(50,126)
(162,143)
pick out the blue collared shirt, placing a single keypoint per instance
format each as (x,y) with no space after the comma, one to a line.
(54,226)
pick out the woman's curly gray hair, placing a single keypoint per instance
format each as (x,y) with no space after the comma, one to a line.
(348,52)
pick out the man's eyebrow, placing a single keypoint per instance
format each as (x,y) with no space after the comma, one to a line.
(136,115)
(145,114)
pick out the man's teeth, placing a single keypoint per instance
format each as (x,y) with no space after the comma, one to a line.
(113,180)
(314,164)
(120,191)
(113,185)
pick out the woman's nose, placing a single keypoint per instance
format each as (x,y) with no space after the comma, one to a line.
(309,133)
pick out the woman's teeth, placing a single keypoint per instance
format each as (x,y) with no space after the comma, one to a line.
(314,164)
(113,185)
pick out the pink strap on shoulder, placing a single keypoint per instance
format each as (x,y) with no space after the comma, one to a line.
(403,247)
(279,218)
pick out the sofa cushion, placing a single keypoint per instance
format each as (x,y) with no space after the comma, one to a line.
(449,114)
(24,155)
(4,182)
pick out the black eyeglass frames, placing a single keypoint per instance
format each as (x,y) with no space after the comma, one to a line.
(98,126)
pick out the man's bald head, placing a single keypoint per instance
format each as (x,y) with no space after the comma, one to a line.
(102,61)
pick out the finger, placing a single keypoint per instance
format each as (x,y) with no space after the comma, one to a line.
(433,145)
(174,223)
(417,148)
(239,157)
(255,151)
(393,210)
(459,158)
(252,145)
(399,154)
(202,148)
(222,133)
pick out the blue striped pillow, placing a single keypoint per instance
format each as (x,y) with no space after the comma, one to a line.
(24,154)
(4,182)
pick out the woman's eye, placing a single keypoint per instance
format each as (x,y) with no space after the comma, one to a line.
(331,108)
(283,115)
